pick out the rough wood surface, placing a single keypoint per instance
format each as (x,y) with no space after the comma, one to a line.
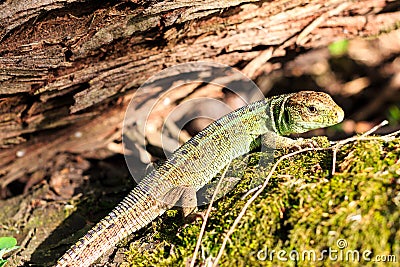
(70,66)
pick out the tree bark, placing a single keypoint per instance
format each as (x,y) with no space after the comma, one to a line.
(69,67)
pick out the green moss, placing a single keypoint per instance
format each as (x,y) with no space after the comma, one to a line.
(390,28)
(304,208)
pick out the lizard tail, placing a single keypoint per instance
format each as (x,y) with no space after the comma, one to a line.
(134,212)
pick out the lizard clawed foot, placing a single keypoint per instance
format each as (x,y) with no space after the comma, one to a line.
(304,143)
(194,216)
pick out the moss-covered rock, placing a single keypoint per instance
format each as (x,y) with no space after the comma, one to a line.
(305,216)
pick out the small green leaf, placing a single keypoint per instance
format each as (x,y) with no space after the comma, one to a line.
(394,115)
(7,242)
(2,262)
(339,48)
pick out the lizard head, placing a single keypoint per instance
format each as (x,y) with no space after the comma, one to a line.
(308,110)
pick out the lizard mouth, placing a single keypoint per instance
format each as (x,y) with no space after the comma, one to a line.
(323,123)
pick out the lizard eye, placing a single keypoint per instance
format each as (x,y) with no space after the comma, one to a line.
(312,109)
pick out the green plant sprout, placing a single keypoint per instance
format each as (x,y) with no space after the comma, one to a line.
(7,244)
(339,48)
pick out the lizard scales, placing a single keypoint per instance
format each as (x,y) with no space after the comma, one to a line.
(196,162)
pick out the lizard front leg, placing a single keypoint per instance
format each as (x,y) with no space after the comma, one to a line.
(275,141)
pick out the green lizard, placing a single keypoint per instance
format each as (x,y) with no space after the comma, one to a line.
(196,162)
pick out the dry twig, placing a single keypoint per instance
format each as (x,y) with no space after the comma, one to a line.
(203,226)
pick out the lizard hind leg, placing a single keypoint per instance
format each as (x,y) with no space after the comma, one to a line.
(182,196)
